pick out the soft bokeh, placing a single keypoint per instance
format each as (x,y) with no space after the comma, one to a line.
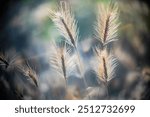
(27,29)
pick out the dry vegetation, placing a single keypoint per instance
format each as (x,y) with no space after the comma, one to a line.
(106,32)
(66,60)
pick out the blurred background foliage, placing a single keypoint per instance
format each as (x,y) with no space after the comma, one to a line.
(26,27)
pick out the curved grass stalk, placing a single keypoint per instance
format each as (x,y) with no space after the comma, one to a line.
(66,24)
(15,63)
(10,60)
(30,73)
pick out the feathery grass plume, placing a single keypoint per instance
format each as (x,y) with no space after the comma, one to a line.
(65,22)
(10,61)
(106,68)
(107,23)
(107,65)
(30,73)
(67,25)
(61,60)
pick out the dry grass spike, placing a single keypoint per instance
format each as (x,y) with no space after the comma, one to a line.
(10,61)
(30,73)
(64,20)
(67,25)
(62,61)
(107,65)
(107,23)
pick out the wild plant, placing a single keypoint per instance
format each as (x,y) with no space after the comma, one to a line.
(106,32)
(29,72)
(66,55)
(62,61)
(16,63)
(65,22)
(8,63)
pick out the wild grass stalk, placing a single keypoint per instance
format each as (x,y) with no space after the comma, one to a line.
(67,25)
(62,61)
(14,63)
(29,72)
(106,67)
(106,32)
(107,23)
(10,61)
